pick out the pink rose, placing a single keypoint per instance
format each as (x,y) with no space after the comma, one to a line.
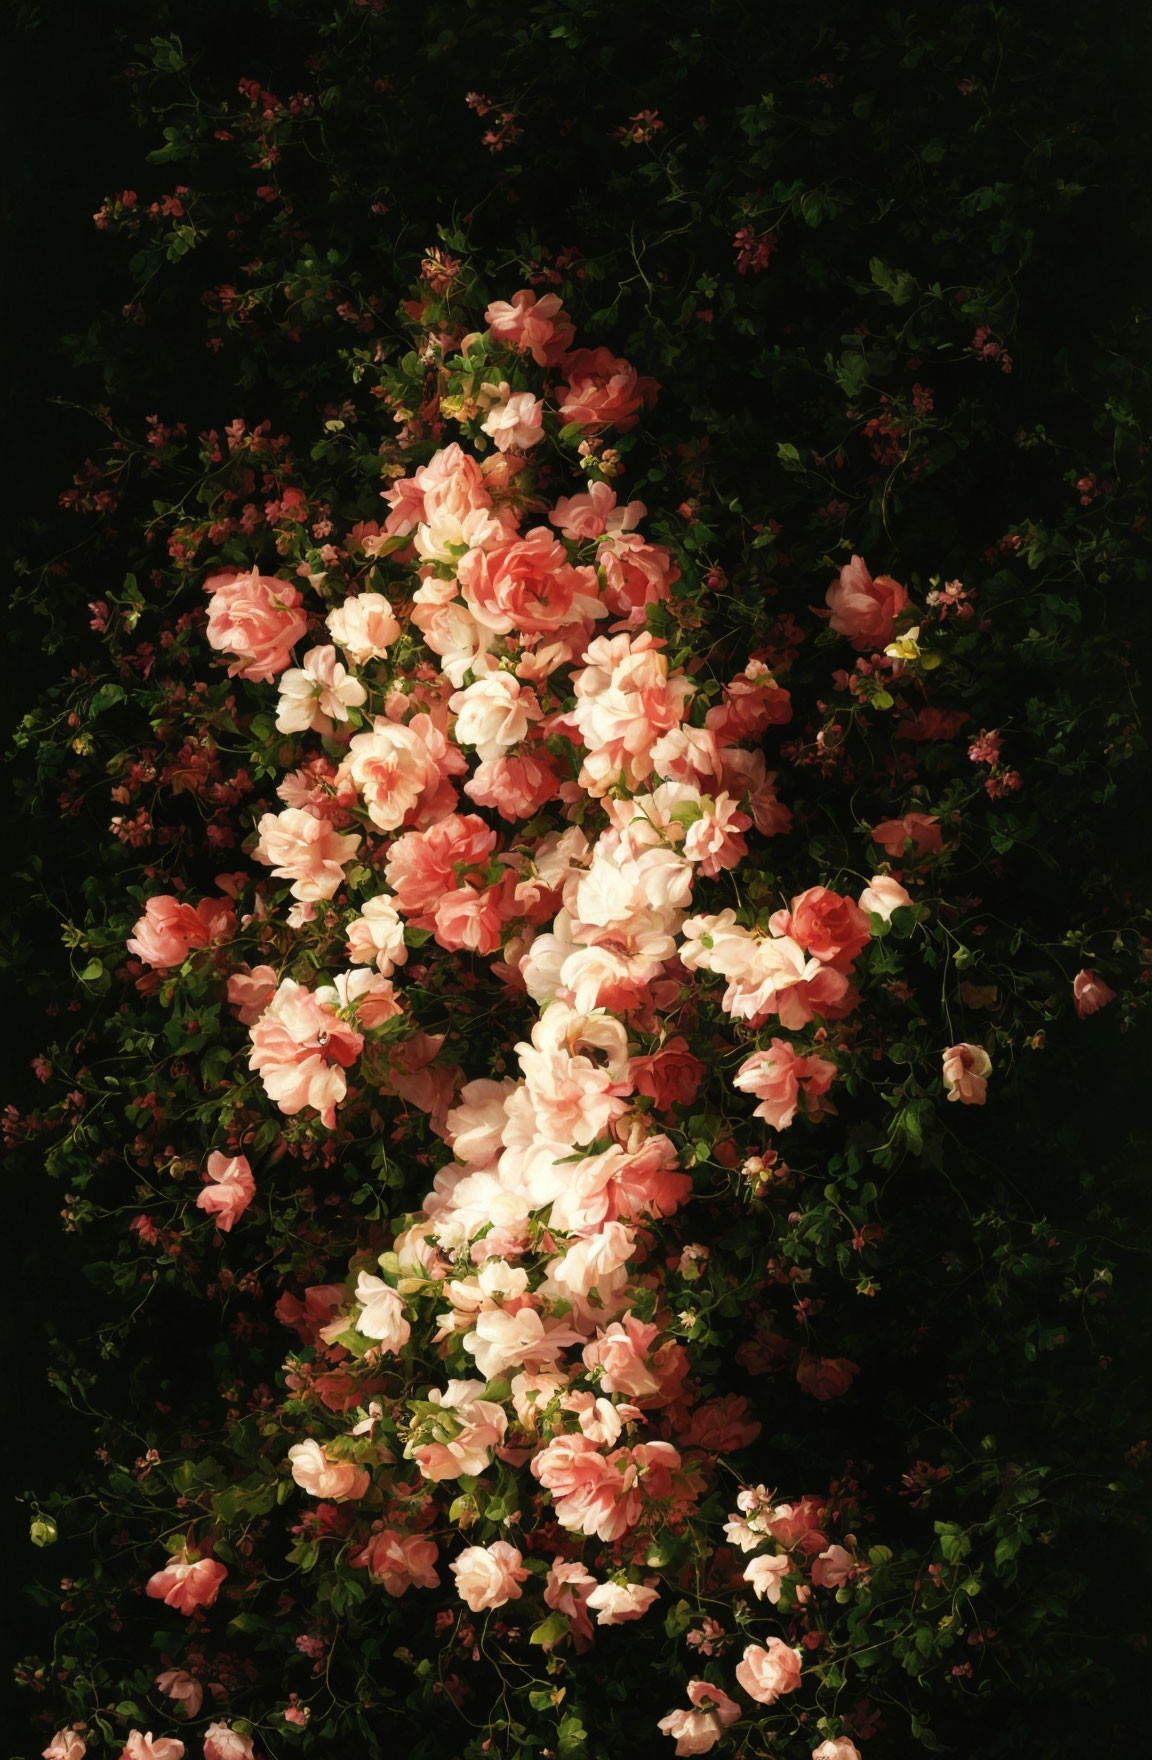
(528,584)
(838,1748)
(863,609)
(381,1313)
(250,992)
(777,1077)
(169,929)
(669,1077)
(222,1743)
(1090,993)
(493,713)
(768,1672)
(364,626)
(539,327)
(698,1730)
(614,1604)
(833,1567)
(602,391)
(300,1049)
(966,1072)
(187,1583)
(721,1426)
(882,896)
(180,1686)
(306,850)
(918,829)
(231,1191)
(400,1561)
(515,421)
(339,1481)
(65,1745)
(149,1747)
(516,786)
(488,1576)
(257,618)
(832,928)
(767,1573)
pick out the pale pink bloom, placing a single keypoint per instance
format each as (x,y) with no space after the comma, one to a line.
(65,1745)
(494,713)
(602,391)
(767,1672)
(614,1604)
(1090,992)
(714,838)
(476,1125)
(364,626)
(528,585)
(626,698)
(833,1567)
(766,1574)
(515,420)
(338,1481)
(300,1048)
(470,917)
(369,996)
(863,609)
(595,1264)
(918,829)
(186,1583)
(250,992)
(457,507)
(223,1743)
(539,327)
(632,1362)
(381,1313)
(966,1071)
(169,929)
(699,1730)
(150,1747)
(778,1076)
(181,1686)
(836,1748)
(317,694)
(489,1576)
(308,851)
(451,631)
(501,1340)
(882,896)
(394,765)
(566,1589)
(595,514)
(231,1191)
(573,1099)
(483,1423)
(258,619)
(516,786)
(376,936)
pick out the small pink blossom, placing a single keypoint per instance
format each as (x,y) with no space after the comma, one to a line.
(699,1730)
(186,1583)
(769,1671)
(1090,993)
(65,1745)
(863,609)
(231,1191)
(150,1747)
(489,1576)
(966,1071)
(918,829)
(223,1743)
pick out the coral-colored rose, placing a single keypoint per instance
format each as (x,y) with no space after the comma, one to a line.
(258,619)
(423,865)
(778,1076)
(223,1743)
(1090,992)
(169,929)
(300,1049)
(721,1426)
(186,1583)
(341,1481)
(602,391)
(364,626)
(516,786)
(966,1071)
(918,829)
(528,584)
(882,896)
(398,766)
(231,1191)
(669,1077)
(539,327)
(150,1747)
(825,1377)
(488,1576)
(400,1561)
(830,927)
(65,1745)
(769,1671)
(863,609)
(698,1730)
